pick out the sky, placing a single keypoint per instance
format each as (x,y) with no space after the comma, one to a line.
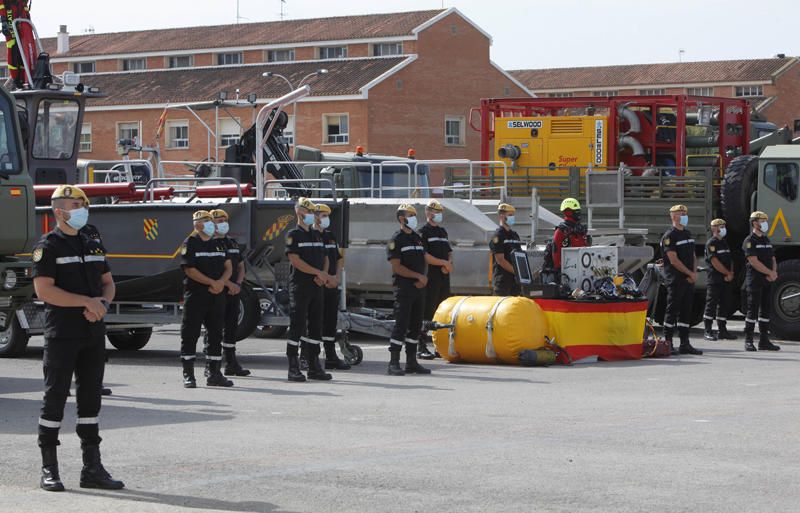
(526,34)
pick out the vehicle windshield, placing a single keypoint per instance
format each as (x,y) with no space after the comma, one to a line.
(9,155)
(56,129)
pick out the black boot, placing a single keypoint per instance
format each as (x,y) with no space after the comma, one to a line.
(50,480)
(412,366)
(707,333)
(668,333)
(215,377)
(332,360)
(232,366)
(764,343)
(93,474)
(188,374)
(748,340)
(394,364)
(422,351)
(315,370)
(294,364)
(723,333)
(686,346)
(304,356)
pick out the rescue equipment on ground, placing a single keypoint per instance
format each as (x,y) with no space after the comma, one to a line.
(652,345)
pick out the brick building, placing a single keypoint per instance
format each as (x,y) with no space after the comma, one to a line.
(392,82)
(772,85)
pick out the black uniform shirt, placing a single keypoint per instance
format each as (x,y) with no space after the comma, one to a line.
(234,253)
(309,246)
(435,241)
(77,264)
(208,257)
(759,247)
(682,243)
(504,242)
(332,252)
(408,248)
(717,248)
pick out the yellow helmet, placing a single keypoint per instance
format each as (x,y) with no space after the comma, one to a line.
(306,204)
(435,206)
(505,208)
(323,209)
(758,216)
(218,213)
(408,209)
(679,208)
(571,204)
(69,192)
(718,222)
(201,215)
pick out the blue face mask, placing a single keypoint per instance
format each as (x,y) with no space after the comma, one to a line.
(325,222)
(437,218)
(78,217)
(411,222)
(764,226)
(209,228)
(222,228)
(684,220)
(510,220)
(308,219)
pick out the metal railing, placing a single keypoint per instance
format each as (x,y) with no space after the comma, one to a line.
(149,189)
(282,184)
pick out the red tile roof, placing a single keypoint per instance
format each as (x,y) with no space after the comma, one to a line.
(344,77)
(752,70)
(245,34)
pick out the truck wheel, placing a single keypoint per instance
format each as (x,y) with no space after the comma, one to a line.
(14,339)
(268,331)
(131,339)
(249,313)
(738,186)
(785,318)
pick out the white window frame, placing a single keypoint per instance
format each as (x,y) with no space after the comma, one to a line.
(561,95)
(323,52)
(223,55)
(76,67)
(170,58)
(138,124)
(223,136)
(143,60)
(341,138)
(171,142)
(270,53)
(700,91)
(377,48)
(748,91)
(658,91)
(462,121)
(85,147)
(605,94)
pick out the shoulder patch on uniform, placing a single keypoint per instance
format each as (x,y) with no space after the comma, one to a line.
(183,249)
(289,240)
(496,240)
(37,254)
(712,248)
(666,241)
(391,246)
(748,244)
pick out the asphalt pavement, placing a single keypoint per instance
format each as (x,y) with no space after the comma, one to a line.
(712,433)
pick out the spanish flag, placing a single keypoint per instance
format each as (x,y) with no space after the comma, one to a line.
(161,122)
(610,330)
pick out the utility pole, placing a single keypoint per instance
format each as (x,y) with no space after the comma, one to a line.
(680,54)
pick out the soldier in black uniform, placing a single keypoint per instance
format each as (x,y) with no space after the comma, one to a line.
(439,257)
(330,293)
(73,279)
(761,272)
(718,288)
(233,286)
(207,267)
(406,254)
(309,274)
(504,243)
(680,273)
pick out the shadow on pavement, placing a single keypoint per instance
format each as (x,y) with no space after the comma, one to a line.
(185,501)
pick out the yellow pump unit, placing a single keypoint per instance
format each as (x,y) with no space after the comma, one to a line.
(551,143)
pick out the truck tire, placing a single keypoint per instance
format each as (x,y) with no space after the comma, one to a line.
(14,339)
(249,313)
(269,331)
(738,186)
(785,318)
(131,339)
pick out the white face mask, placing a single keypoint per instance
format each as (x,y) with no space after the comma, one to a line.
(222,228)
(325,222)
(78,217)
(723,232)
(437,217)
(764,226)
(209,228)
(411,222)
(510,220)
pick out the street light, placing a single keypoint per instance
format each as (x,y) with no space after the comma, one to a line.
(270,74)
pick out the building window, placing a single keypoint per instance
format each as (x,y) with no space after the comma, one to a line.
(333,52)
(280,55)
(128,131)
(177,134)
(337,128)
(288,132)
(454,130)
(228,59)
(560,95)
(652,92)
(383,49)
(86,138)
(605,93)
(782,178)
(700,91)
(752,90)
(83,67)
(134,64)
(229,131)
(180,61)
(4,71)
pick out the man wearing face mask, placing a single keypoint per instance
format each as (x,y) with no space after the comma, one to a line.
(309,274)
(680,275)
(233,287)
(330,293)
(73,279)
(718,287)
(761,272)
(207,267)
(406,254)
(503,245)
(571,233)
(439,257)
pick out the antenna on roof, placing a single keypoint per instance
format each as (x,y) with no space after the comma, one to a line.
(283,12)
(680,54)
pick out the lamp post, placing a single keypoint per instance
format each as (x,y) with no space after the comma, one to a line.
(270,74)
